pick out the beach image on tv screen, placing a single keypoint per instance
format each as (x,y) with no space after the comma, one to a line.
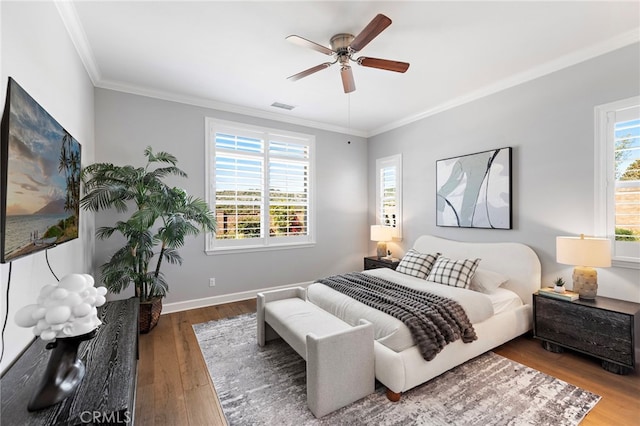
(43,179)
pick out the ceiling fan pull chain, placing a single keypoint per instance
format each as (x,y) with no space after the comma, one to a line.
(348,112)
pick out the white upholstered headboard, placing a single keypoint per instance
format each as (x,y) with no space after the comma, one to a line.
(515,260)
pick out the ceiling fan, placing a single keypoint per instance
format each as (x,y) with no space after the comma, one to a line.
(343,47)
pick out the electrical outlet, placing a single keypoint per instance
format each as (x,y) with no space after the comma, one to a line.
(212,282)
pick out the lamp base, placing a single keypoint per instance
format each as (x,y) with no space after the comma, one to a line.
(585,282)
(381,249)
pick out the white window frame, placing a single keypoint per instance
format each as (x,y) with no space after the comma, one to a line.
(623,254)
(382,163)
(265,242)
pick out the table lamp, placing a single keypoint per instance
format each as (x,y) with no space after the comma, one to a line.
(585,253)
(381,234)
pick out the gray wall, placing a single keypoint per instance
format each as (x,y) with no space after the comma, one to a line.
(549,122)
(126,124)
(38,54)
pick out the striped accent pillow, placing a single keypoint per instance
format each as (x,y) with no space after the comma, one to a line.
(456,273)
(417,264)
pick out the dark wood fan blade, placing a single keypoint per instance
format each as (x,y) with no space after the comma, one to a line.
(348,83)
(371,31)
(301,41)
(383,64)
(309,71)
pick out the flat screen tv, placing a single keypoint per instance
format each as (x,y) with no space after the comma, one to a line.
(39,178)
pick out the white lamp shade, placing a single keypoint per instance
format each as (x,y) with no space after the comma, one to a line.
(381,233)
(583,251)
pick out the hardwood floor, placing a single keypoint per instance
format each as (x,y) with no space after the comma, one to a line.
(174,387)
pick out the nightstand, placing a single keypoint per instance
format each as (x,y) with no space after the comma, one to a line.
(374,262)
(605,328)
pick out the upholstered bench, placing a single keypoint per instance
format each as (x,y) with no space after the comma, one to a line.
(340,358)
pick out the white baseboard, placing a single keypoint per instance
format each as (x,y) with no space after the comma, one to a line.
(168,308)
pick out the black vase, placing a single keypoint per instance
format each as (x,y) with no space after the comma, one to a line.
(63,374)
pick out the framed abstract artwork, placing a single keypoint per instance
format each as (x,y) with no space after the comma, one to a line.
(474,191)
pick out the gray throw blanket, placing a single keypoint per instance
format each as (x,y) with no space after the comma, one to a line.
(434,321)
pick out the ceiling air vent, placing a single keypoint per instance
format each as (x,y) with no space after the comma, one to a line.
(282,106)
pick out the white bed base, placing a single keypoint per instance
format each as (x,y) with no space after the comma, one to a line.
(401,371)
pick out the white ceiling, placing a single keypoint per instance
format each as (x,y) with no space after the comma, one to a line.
(234,56)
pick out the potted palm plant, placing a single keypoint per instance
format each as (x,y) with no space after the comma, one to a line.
(154,232)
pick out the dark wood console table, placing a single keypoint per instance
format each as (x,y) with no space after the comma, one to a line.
(106,394)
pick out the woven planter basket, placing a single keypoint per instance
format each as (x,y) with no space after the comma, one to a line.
(149,314)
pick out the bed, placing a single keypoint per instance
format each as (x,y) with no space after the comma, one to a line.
(504,313)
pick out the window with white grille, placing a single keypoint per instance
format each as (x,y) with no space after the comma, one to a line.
(617,174)
(389,193)
(260,186)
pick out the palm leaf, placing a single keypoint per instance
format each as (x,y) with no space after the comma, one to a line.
(162,157)
(197,210)
(172,256)
(161,172)
(105,232)
(104,198)
(145,217)
(158,285)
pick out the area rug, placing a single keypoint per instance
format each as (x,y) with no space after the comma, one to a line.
(267,386)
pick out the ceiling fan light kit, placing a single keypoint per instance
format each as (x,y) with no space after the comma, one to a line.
(343,47)
(348,83)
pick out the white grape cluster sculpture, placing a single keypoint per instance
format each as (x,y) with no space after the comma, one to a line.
(64,310)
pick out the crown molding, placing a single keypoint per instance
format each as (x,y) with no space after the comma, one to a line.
(221,106)
(566,61)
(71,21)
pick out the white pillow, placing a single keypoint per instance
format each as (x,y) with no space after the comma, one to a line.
(486,281)
(455,273)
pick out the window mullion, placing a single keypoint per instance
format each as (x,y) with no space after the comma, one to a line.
(266,188)
(610,177)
